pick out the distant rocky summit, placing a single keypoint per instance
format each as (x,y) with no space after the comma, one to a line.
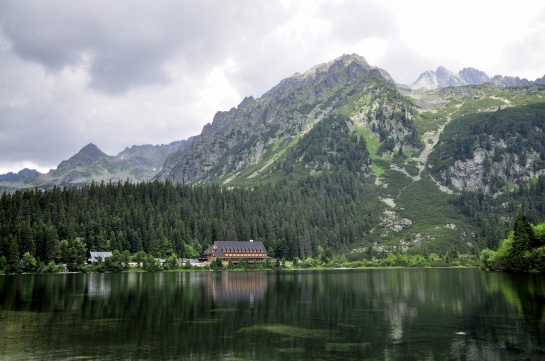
(442,78)
(137,163)
(13,177)
(474,76)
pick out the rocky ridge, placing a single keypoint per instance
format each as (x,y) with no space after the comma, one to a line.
(442,78)
(90,164)
(13,177)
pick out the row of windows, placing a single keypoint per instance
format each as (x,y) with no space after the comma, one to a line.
(245,255)
(241,250)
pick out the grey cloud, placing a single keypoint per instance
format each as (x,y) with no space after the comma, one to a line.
(131,41)
(272,58)
(126,48)
(413,64)
(36,135)
(116,73)
(528,51)
(354,20)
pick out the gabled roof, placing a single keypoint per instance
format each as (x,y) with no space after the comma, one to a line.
(219,248)
(96,255)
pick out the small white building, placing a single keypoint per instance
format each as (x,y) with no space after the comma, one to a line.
(95,256)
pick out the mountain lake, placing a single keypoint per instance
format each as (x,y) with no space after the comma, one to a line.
(374,314)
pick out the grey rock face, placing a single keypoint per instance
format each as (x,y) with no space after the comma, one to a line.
(473,76)
(470,174)
(238,138)
(506,81)
(442,78)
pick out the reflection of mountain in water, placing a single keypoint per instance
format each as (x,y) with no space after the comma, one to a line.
(237,286)
(98,285)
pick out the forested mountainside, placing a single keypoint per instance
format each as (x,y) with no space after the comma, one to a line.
(339,159)
(293,219)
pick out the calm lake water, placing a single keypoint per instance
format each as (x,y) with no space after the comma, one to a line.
(415,314)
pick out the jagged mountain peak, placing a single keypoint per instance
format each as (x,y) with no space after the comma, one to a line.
(342,61)
(343,66)
(241,137)
(442,71)
(136,163)
(443,77)
(88,154)
(12,177)
(505,81)
(474,76)
(440,78)
(91,150)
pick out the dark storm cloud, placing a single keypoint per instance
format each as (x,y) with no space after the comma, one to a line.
(127,44)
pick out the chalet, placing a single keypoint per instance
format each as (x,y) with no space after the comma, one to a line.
(96,256)
(236,251)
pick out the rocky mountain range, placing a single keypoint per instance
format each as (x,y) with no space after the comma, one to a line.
(243,143)
(444,161)
(426,148)
(13,177)
(259,130)
(137,163)
(443,77)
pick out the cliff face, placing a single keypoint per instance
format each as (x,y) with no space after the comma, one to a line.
(492,151)
(483,173)
(442,78)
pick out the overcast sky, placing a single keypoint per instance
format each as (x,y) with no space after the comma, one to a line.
(132,72)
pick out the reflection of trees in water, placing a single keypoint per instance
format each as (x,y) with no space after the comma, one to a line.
(527,293)
(370,314)
(532,300)
(511,295)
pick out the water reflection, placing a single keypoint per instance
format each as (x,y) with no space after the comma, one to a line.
(526,294)
(99,285)
(237,286)
(334,315)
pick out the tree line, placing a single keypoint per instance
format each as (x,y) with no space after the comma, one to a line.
(163,219)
